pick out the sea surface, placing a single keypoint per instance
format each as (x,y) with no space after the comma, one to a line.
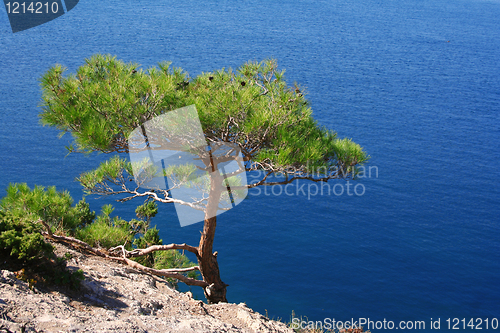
(415,82)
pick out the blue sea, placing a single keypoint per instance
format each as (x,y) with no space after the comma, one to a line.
(415,82)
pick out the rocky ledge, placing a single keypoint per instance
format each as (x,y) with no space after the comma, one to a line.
(116,298)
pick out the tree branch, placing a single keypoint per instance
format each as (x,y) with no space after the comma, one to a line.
(153,248)
(286,181)
(163,272)
(75,241)
(170,273)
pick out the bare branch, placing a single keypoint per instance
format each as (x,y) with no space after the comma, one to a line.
(153,248)
(287,181)
(75,241)
(163,272)
(235,173)
(181,270)
(153,195)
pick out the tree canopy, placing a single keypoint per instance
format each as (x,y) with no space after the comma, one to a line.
(253,107)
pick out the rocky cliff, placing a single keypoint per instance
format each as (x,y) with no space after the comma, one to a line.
(116,298)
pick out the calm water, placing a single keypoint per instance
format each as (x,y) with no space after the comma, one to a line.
(416,82)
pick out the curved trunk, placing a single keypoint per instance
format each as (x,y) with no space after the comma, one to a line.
(207,261)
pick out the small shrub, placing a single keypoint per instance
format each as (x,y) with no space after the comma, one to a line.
(147,211)
(21,239)
(26,251)
(50,205)
(106,232)
(51,273)
(62,277)
(104,235)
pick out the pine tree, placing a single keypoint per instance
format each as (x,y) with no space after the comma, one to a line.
(252,109)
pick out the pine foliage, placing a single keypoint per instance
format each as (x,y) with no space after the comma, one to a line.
(252,106)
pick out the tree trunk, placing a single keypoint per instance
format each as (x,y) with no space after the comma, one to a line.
(209,268)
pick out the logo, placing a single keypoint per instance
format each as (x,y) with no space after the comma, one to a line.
(28,14)
(170,155)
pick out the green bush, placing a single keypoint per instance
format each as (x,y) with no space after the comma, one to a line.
(57,273)
(103,235)
(106,232)
(24,249)
(21,239)
(147,211)
(51,206)
(150,237)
